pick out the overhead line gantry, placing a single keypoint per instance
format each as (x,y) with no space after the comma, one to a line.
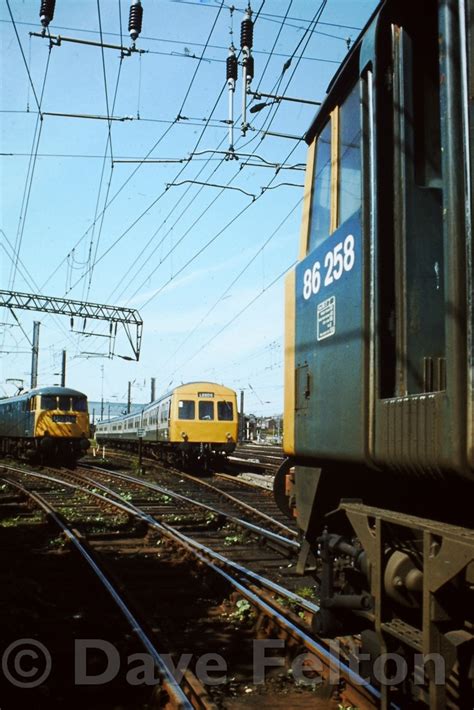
(128,317)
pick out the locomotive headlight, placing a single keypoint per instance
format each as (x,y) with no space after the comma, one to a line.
(184,435)
(228,436)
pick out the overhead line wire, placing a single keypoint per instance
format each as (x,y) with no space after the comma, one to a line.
(113,198)
(274,45)
(85,294)
(31,167)
(232,284)
(266,15)
(38,103)
(102,256)
(271,116)
(109,185)
(211,241)
(287,64)
(166,40)
(182,169)
(180,172)
(150,274)
(235,317)
(29,279)
(104,72)
(200,59)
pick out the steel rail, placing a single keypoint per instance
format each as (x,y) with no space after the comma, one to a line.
(171,686)
(365,694)
(203,553)
(279,539)
(117,500)
(241,504)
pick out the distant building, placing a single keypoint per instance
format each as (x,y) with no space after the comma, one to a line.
(268,429)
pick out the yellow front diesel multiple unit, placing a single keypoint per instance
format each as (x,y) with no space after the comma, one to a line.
(193,422)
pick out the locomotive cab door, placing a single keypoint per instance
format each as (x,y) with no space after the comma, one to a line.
(330,301)
(421,393)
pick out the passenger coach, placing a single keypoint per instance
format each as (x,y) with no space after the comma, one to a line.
(193,422)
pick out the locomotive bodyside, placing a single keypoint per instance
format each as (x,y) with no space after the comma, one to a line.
(379,310)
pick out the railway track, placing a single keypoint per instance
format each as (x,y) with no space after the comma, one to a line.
(242,494)
(248,604)
(110,612)
(248,457)
(225,513)
(260,457)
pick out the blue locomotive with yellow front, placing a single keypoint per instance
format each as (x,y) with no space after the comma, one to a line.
(379,350)
(46,423)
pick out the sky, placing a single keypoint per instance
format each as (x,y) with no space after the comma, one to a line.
(198,244)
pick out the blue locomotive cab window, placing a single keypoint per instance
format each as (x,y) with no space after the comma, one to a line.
(64,404)
(349,188)
(186,409)
(48,401)
(206,410)
(321,199)
(79,404)
(225,411)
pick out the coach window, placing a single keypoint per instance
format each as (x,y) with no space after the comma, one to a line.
(186,409)
(321,202)
(225,411)
(206,410)
(349,187)
(48,401)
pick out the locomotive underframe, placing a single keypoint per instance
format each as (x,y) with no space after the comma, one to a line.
(44,448)
(182,453)
(402,581)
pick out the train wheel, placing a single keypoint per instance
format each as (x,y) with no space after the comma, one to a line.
(282,487)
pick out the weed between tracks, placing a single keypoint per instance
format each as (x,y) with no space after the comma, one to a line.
(15,520)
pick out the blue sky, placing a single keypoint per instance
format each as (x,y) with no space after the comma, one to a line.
(203,265)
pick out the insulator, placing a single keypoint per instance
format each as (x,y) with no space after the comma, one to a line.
(231,67)
(46,11)
(250,67)
(246,33)
(135,20)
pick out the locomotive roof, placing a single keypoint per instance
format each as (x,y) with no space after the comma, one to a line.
(183,388)
(53,390)
(339,77)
